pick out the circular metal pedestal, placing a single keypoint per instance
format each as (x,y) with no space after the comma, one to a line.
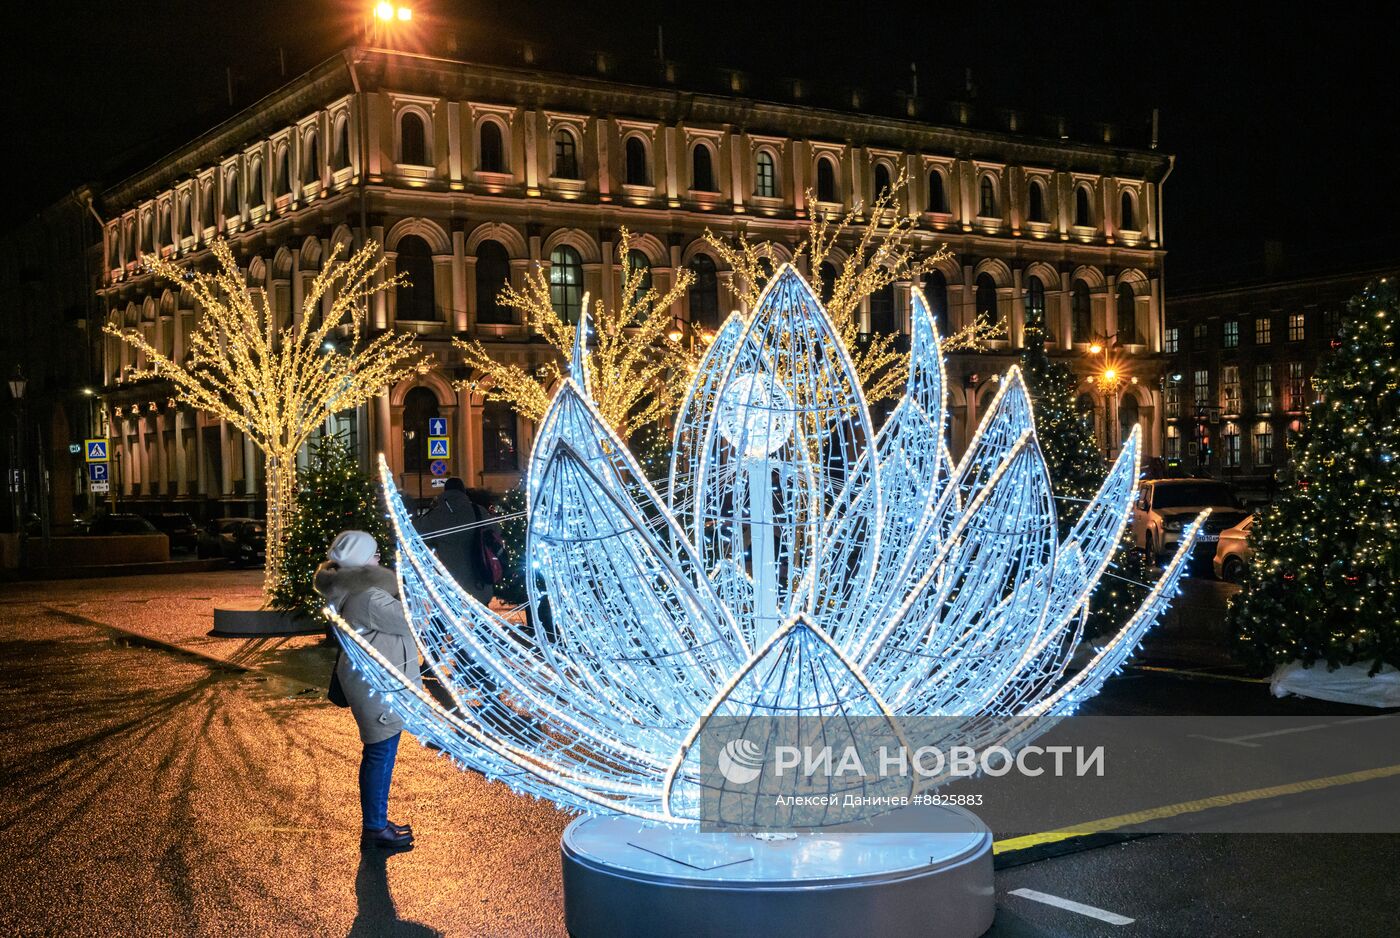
(625,878)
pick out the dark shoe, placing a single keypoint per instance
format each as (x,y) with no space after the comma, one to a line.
(387,839)
(402,828)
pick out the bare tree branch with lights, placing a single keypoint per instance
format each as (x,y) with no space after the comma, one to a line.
(639,364)
(881,252)
(278,382)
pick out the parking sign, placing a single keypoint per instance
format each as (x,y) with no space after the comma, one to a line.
(97,472)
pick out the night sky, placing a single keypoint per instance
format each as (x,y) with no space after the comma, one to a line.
(1281,122)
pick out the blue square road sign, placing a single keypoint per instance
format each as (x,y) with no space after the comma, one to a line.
(438,447)
(437,426)
(96,450)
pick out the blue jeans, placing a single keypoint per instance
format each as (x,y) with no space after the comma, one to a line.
(376,771)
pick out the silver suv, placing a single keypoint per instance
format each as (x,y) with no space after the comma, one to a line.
(1165,506)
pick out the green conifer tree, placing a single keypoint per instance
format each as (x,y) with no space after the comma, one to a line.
(333,494)
(1322,585)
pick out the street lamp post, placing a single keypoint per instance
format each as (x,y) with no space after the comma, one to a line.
(1112,381)
(18,384)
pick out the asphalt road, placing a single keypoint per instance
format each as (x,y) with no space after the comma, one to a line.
(150,793)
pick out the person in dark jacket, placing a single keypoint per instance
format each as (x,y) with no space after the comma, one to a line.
(459,550)
(366,596)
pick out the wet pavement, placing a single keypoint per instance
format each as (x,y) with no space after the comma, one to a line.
(152,792)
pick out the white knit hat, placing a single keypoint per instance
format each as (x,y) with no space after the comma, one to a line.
(352,549)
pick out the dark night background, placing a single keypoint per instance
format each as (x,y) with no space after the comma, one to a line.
(1281,121)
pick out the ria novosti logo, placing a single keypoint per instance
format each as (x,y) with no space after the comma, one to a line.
(741,761)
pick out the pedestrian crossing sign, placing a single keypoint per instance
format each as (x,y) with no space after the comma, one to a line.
(97,450)
(438,447)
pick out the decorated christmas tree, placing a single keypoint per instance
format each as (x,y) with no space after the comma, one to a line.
(1322,586)
(1076,463)
(333,494)
(1077,468)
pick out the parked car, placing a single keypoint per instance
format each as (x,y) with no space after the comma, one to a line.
(1165,506)
(238,540)
(180,528)
(121,523)
(1233,554)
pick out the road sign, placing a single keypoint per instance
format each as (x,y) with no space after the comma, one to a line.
(438,447)
(439,483)
(96,450)
(98,488)
(437,426)
(438,467)
(97,472)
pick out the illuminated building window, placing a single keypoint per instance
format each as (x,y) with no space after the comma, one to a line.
(1263,330)
(1200,386)
(565,154)
(1263,443)
(1173,399)
(1173,340)
(413,139)
(1230,334)
(1036,202)
(1173,442)
(765,176)
(1230,445)
(1295,385)
(636,162)
(1264,388)
(1296,327)
(702,169)
(1230,389)
(566,283)
(493,149)
(987,198)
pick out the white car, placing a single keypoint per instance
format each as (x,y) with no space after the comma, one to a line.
(1165,506)
(1233,554)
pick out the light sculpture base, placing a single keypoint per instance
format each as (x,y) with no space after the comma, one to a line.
(624,878)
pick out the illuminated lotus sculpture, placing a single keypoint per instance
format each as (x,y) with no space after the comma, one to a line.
(798,563)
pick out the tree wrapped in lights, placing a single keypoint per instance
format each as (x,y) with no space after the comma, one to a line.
(1322,584)
(333,494)
(637,360)
(798,564)
(881,252)
(274,381)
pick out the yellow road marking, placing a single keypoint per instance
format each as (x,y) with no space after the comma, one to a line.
(1190,807)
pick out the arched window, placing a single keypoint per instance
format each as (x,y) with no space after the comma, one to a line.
(882,310)
(639,268)
(1128,416)
(1127,217)
(282,182)
(1083,211)
(937,193)
(340,155)
(936,292)
(187,215)
(636,158)
(415,298)
(413,139)
(1035,303)
(419,404)
(702,169)
(565,154)
(492,274)
(1080,322)
(311,162)
(826,277)
(987,297)
(987,198)
(566,283)
(256,193)
(206,208)
(826,181)
(704,293)
(1036,209)
(765,175)
(1127,316)
(882,179)
(231,206)
(162,233)
(493,148)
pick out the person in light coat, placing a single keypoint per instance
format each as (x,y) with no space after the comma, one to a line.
(366,596)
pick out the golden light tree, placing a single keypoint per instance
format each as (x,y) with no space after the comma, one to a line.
(277,382)
(880,252)
(639,363)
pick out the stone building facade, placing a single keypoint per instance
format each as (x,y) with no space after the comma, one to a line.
(467,175)
(1243,359)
